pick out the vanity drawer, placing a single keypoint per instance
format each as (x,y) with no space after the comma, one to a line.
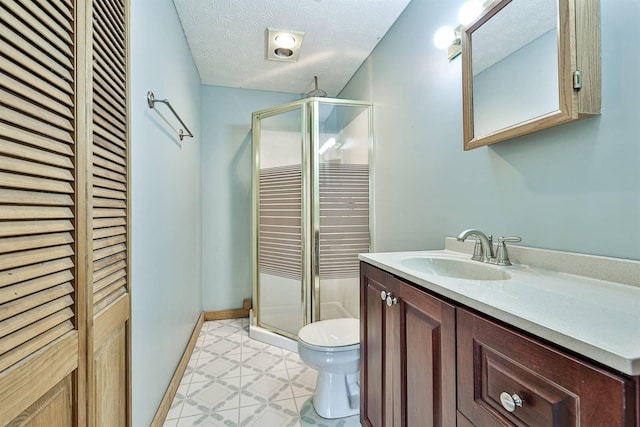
(556,389)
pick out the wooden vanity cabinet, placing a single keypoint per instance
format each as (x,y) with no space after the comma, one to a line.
(425,362)
(407,354)
(556,389)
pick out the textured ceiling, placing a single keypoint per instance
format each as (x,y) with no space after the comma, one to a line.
(227,40)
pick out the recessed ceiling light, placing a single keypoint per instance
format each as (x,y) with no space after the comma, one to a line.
(283,45)
(285,40)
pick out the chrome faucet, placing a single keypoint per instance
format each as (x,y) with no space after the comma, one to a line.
(483,250)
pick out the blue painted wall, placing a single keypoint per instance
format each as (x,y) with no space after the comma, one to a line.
(575,187)
(226,191)
(166,202)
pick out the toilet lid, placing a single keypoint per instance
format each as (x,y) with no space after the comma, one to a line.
(331,333)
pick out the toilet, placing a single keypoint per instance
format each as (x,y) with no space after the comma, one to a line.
(332,347)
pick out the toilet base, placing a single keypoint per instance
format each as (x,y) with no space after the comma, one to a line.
(334,396)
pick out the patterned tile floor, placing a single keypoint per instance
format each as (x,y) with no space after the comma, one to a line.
(233,380)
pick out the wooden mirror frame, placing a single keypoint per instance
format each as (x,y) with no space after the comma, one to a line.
(578,31)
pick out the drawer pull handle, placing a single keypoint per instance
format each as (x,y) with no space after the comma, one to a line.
(383,295)
(510,402)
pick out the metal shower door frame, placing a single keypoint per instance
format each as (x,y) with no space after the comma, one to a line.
(310,164)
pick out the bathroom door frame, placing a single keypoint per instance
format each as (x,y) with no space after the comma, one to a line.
(310,217)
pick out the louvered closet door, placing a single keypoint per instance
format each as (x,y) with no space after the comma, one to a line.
(111,304)
(39,293)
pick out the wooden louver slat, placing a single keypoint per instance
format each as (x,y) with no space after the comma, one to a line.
(103,67)
(9,327)
(114,167)
(109,63)
(29,347)
(37,143)
(26,64)
(21,305)
(20,197)
(107,174)
(109,269)
(30,76)
(109,149)
(15,149)
(57,14)
(103,91)
(37,125)
(21,228)
(111,117)
(100,305)
(34,110)
(109,26)
(15,244)
(11,84)
(62,28)
(108,222)
(32,168)
(39,23)
(10,293)
(111,12)
(38,46)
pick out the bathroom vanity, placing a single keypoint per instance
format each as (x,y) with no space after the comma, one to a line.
(520,346)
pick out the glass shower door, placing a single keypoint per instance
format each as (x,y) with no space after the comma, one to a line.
(281,238)
(341,205)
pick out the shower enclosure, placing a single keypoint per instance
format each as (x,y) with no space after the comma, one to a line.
(312,210)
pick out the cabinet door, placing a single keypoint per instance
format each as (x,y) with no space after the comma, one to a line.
(555,389)
(407,354)
(378,336)
(428,359)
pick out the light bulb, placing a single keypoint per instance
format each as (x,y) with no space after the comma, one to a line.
(285,40)
(444,37)
(469,11)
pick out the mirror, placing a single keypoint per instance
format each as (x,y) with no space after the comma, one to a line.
(517,70)
(515,66)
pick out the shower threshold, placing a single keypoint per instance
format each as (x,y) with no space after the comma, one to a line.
(330,310)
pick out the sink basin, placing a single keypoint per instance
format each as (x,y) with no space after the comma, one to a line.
(459,269)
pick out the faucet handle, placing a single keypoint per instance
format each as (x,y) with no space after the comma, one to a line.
(502,257)
(513,239)
(478,253)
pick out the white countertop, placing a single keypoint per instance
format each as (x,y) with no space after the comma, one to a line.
(592,317)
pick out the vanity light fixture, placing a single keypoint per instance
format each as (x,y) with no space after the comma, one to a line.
(469,11)
(450,38)
(283,45)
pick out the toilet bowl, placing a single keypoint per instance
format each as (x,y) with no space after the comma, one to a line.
(332,347)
